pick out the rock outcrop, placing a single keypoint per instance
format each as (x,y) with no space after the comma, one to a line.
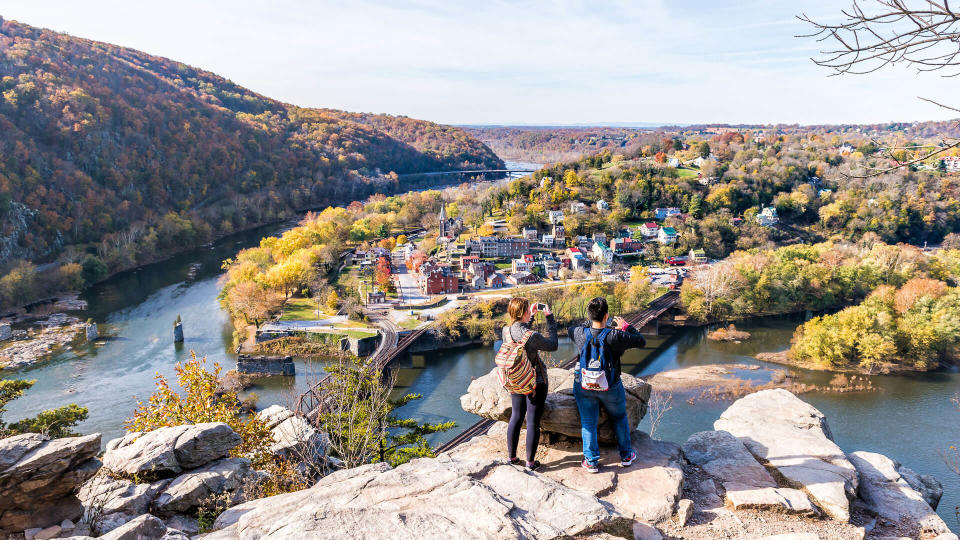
(793,438)
(885,490)
(442,497)
(294,436)
(39,477)
(169,450)
(647,491)
(166,472)
(486,397)
(746,482)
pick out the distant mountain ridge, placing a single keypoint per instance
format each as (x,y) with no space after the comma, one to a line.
(130,155)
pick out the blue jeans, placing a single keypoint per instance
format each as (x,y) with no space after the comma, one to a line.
(614,401)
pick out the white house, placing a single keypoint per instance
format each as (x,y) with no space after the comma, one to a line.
(602,253)
(520,265)
(578,207)
(529,233)
(649,230)
(768,217)
(602,205)
(548,240)
(673,162)
(667,235)
(555,216)
(952,163)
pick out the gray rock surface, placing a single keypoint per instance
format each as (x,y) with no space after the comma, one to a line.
(648,490)
(293,435)
(169,450)
(145,527)
(793,437)
(427,498)
(486,397)
(886,492)
(189,490)
(39,478)
(113,495)
(747,483)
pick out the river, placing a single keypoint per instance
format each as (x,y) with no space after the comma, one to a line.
(909,417)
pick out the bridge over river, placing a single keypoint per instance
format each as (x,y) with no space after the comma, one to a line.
(392,346)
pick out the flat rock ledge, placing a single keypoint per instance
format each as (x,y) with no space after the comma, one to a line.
(442,498)
(793,438)
(487,398)
(646,491)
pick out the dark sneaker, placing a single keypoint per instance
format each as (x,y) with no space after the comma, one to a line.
(590,467)
(628,461)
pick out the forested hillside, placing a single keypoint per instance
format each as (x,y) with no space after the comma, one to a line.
(110,152)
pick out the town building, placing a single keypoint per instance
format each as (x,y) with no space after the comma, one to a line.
(477,282)
(496,246)
(664,213)
(599,237)
(602,253)
(602,205)
(559,231)
(649,230)
(495,281)
(523,278)
(673,162)
(548,240)
(578,207)
(449,228)
(622,246)
(521,264)
(951,164)
(768,217)
(436,278)
(530,233)
(697,256)
(583,242)
(555,216)
(667,235)
(376,297)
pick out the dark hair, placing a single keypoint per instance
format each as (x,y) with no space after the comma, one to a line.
(597,309)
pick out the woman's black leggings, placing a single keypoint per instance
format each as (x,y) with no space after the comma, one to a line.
(532,408)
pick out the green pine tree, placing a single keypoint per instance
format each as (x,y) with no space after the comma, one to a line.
(54,422)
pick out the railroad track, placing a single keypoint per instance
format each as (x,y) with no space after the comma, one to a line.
(638,320)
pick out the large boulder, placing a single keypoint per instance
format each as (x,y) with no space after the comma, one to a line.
(169,450)
(487,398)
(887,492)
(746,482)
(294,437)
(112,502)
(190,490)
(438,498)
(648,490)
(793,437)
(39,477)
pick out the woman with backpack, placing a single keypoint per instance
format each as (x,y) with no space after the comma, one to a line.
(531,403)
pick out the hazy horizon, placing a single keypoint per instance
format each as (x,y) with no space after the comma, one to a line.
(563,63)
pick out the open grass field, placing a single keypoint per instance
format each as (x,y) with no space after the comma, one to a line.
(303,309)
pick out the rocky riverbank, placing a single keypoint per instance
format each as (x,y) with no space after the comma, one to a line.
(769,469)
(56,332)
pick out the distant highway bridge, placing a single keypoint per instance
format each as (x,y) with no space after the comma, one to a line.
(478,171)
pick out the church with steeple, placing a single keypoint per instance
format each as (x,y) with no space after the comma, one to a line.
(449,227)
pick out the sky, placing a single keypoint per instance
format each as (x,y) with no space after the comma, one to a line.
(514,63)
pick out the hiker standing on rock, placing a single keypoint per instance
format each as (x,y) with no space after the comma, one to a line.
(598,380)
(524,375)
